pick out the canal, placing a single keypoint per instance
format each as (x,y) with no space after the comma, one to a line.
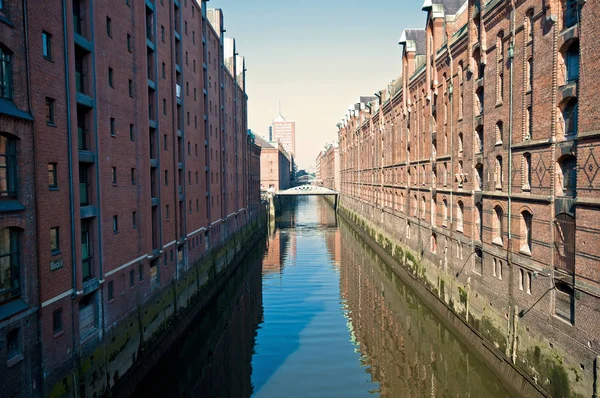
(314,312)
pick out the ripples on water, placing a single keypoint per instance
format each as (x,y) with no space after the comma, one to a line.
(326,319)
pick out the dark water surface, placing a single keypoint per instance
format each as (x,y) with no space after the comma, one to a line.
(316,313)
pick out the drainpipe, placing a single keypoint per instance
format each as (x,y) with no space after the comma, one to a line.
(511,53)
(70,162)
(70,149)
(451,98)
(597,378)
(26,27)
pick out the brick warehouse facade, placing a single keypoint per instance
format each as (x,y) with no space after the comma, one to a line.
(329,167)
(482,160)
(125,162)
(275,165)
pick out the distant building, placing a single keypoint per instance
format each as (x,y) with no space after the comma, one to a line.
(318,166)
(275,165)
(284,131)
(330,167)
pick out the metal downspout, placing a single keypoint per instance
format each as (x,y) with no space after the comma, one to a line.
(27,52)
(510,165)
(70,162)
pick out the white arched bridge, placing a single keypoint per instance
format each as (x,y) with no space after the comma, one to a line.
(308,190)
(305,190)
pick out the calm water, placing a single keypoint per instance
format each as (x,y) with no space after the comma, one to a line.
(313,312)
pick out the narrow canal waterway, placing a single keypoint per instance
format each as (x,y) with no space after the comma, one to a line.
(313,312)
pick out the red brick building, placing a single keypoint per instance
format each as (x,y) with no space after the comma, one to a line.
(275,165)
(330,167)
(124,161)
(19,278)
(481,160)
(253,172)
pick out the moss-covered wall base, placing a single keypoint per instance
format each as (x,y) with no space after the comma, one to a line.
(527,365)
(131,347)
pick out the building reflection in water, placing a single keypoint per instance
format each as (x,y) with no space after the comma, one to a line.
(213,358)
(406,348)
(339,317)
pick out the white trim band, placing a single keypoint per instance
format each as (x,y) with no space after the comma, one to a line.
(196,231)
(122,267)
(57,298)
(169,244)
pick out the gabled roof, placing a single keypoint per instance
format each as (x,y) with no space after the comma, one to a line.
(450,7)
(261,142)
(413,40)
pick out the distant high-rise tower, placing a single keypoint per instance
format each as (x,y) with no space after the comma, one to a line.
(284,131)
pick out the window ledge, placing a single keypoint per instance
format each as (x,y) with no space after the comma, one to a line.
(53,189)
(14,360)
(58,334)
(7,107)
(525,250)
(55,253)
(4,19)
(11,308)
(11,205)
(51,124)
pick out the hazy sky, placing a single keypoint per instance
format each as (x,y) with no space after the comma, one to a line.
(317,57)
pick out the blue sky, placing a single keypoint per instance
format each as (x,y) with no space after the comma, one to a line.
(317,57)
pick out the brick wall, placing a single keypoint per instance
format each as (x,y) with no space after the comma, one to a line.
(472,131)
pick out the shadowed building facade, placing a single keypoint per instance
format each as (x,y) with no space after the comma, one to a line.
(124,147)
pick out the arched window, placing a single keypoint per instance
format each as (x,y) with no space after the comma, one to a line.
(401,202)
(570,13)
(529,25)
(529,73)
(480,66)
(526,171)
(564,243)
(479,221)
(5,73)
(408,230)
(433,211)
(433,243)
(479,134)
(8,166)
(445,213)
(499,132)
(415,206)
(497,226)
(567,175)
(445,174)
(500,46)
(460,144)
(423,207)
(498,173)
(10,258)
(526,234)
(480,98)
(572,62)
(459,216)
(479,176)
(564,303)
